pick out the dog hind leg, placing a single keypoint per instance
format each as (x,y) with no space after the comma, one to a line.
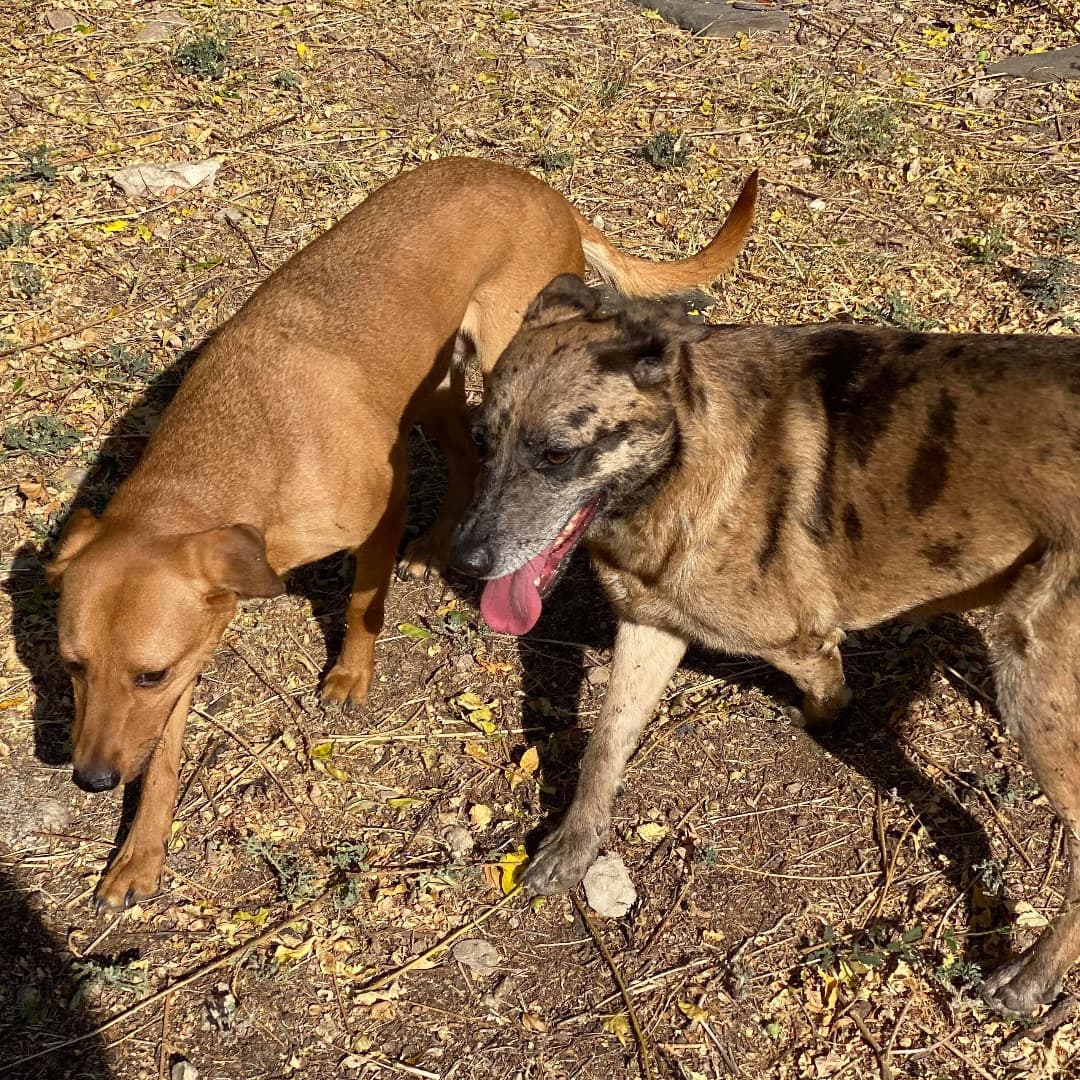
(1036,648)
(644,661)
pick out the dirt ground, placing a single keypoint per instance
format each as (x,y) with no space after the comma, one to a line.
(804,909)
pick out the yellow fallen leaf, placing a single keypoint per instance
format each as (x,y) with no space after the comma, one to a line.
(256,918)
(618,1024)
(114,226)
(285,954)
(504,874)
(694,1012)
(530,761)
(652,831)
(532,1022)
(480,816)
(322,751)
(403,802)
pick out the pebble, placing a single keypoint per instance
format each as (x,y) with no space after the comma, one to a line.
(598,676)
(477,955)
(184,1070)
(459,840)
(59,19)
(608,887)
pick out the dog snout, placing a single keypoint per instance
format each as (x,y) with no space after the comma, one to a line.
(96,776)
(473,555)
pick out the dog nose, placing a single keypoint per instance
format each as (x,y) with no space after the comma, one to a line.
(96,777)
(474,557)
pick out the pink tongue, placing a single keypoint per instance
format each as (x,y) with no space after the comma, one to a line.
(511,604)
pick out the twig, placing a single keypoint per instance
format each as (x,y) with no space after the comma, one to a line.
(628,1001)
(441,946)
(881,1056)
(957,1053)
(164,1053)
(258,758)
(186,980)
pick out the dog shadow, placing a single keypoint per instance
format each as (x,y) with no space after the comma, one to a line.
(887,669)
(36,1000)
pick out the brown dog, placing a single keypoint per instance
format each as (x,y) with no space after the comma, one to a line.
(761,491)
(287,442)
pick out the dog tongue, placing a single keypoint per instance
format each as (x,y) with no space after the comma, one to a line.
(511,604)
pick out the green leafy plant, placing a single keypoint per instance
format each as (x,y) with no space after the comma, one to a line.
(666,150)
(126,973)
(41,436)
(895,309)
(27,280)
(206,57)
(296,882)
(1051,282)
(14,234)
(553,160)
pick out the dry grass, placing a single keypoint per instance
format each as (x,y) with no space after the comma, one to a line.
(805,911)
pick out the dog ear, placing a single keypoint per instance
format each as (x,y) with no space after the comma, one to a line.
(565,291)
(80,529)
(652,343)
(233,560)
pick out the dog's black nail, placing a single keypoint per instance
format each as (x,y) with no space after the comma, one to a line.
(129,897)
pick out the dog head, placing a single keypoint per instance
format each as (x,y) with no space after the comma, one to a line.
(139,616)
(579,422)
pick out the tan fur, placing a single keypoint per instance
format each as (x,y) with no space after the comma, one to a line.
(772,489)
(287,442)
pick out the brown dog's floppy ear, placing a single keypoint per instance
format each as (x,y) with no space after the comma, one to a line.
(233,559)
(651,342)
(565,291)
(80,529)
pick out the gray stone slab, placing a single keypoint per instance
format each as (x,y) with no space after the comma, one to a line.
(717,18)
(1041,67)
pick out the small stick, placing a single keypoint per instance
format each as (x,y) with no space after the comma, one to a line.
(628,1001)
(163,1055)
(881,1056)
(441,946)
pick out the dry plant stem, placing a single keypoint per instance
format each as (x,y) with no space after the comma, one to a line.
(881,1056)
(164,993)
(890,869)
(628,1001)
(252,752)
(386,979)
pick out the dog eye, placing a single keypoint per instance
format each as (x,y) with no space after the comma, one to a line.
(74,668)
(150,678)
(558,457)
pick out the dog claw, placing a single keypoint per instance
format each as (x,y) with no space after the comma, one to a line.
(561,861)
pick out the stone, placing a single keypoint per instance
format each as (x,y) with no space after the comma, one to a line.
(477,955)
(60,19)
(608,887)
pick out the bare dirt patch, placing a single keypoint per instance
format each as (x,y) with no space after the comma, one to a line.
(804,910)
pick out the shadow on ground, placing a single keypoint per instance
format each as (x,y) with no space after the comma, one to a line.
(36,1011)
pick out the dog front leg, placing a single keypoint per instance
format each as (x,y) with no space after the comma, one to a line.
(136,871)
(814,663)
(644,661)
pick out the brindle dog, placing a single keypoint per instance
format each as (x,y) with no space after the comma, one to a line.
(762,491)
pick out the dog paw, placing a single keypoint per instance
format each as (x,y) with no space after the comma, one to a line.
(562,860)
(342,686)
(133,876)
(424,559)
(1019,988)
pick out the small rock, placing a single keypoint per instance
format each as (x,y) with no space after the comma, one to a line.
(534,41)
(477,955)
(598,676)
(983,95)
(148,180)
(161,28)
(229,215)
(459,840)
(52,816)
(59,19)
(74,477)
(184,1070)
(608,887)
(745,139)
(801,163)
(464,662)
(816,204)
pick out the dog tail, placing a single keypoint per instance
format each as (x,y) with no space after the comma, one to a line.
(645,278)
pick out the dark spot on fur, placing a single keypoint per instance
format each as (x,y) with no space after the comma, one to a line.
(580,415)
(941,554)
(613,433)
(777,512)
(696,397)
(858,390)
(929,469)
(852,524)
(953,352)
(756,380)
